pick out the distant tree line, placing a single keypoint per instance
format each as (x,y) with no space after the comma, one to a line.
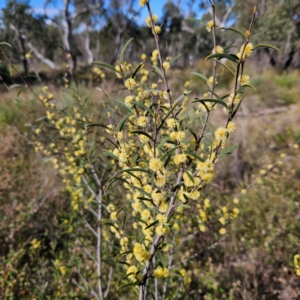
(93,30)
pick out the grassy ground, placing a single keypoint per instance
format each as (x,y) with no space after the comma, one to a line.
(253,261)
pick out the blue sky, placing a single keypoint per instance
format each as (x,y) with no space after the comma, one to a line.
(52,9)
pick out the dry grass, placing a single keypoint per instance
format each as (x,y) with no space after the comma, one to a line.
(253,262)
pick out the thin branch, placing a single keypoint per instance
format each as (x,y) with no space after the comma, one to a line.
(93,193)
(99,240)
(38,54)
(97,179)
(77,284)
(156,241)
(163,71)
(155,282)
(199,253)
(108,282)
(87,251)
(91,228)
(87,284)
(169,267)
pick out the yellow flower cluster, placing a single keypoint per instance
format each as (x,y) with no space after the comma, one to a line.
(245,79)
(245,51)
(143,2)
(123,69)
(68,157)
(35,244)
(219,49)
(97,74)
(297,264)
(130,83)
(206,170)
(210,82)
(161,272)
(209,25)
(154,20)
(140,253)
(154,58)
(132,273)
(60,267)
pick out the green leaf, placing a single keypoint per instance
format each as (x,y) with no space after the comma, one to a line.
(16,86)
(236,110)
(211,100)
(243,86)
(6,44)
(144,199)
(188,152)
(135,170)
(96,124)
(167,115)
(41,119)
(190,176)
(229,150)
(21,90)
(160,145)
(124,105)
(225,96)
(231,57)
(152,224)
(122,122)
(200,75)
(112,142)
(115,179)
(264,46)
(168,153)
(136,70)
(194,135)
(154,91)
(234,30)
(120,209)
(127,284)
(226,67)
(185,206)
(143,133)
(124,49)
(142,191)
(110,154)
(158,70)
(104,65)
(175,58)
(180,97)
(215,94)
(142,105)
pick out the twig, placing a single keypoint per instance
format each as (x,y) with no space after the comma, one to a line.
(156,241)
(87,252)
(77,284)
(90,228)
(169,268)
(108,282)
(163,71)
(99,240)
(199,253)
(87,284)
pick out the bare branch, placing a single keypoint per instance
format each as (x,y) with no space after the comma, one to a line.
(91,229)
(38,54)
(91,290)
(87,251)
(108,282)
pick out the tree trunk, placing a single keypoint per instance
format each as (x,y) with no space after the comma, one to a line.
(67,35)
(88,51)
